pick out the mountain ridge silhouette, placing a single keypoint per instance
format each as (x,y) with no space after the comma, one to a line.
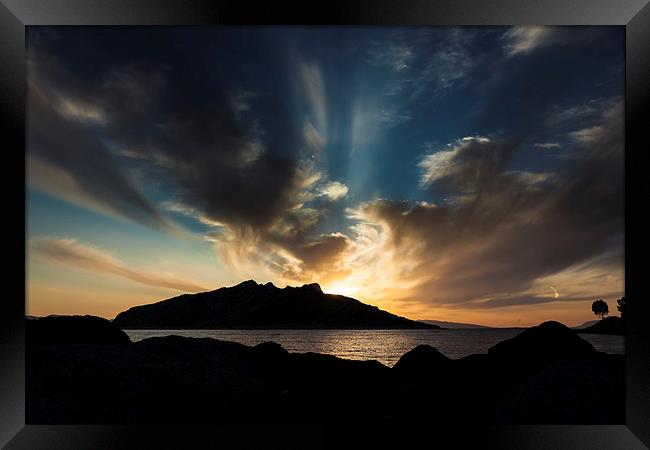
(249,305)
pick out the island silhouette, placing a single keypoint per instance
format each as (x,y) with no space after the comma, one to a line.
(250,305)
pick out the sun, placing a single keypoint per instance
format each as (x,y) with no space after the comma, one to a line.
(341,288)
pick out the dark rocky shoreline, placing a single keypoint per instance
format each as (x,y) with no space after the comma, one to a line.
(81,370)
(609,325)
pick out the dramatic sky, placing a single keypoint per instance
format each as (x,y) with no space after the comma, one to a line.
(467,174)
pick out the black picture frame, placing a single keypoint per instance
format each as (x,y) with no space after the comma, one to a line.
(634,15)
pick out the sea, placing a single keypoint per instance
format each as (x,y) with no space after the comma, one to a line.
(385,346)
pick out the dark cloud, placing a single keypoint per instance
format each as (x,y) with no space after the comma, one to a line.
(198,144)
(504,231)
(320,258)
(216,167)
(246,172)
(62,126)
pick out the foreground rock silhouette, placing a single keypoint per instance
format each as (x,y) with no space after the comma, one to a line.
(536,348)
(251,305)
(188,380)
(422,362)
(73,330)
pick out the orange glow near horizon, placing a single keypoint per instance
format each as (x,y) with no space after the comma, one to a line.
(107,302)
(55,286)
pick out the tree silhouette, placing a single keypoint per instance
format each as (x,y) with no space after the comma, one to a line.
(621,306)
(600,308)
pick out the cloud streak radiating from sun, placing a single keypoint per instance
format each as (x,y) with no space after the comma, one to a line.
(69,252)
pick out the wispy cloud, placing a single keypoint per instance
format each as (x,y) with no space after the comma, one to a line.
(391,118)
(395,56)
(547,145)
(524,39)
(334,190)
(70,252)
(444,163)
(587,135)
(430,61)
(587,110)
(314,88)
(437,165)
(241,101)
(81,111)
(313,139)
(446,65)
(191,212)
(531,179)
(574,112)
